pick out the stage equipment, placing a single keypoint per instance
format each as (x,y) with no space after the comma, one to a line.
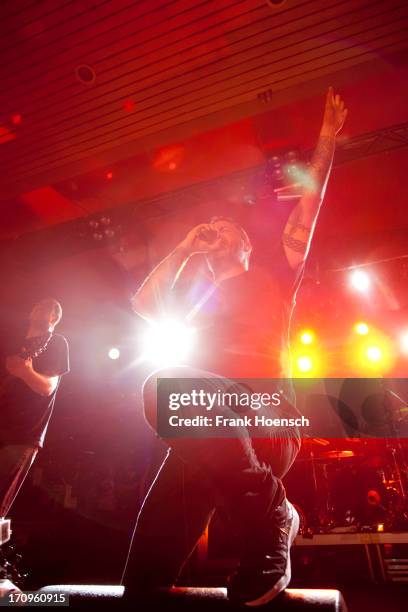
(192,598)
(355,488)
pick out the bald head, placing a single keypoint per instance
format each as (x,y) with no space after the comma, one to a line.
(46,311)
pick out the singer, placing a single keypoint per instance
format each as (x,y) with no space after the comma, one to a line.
(243,315)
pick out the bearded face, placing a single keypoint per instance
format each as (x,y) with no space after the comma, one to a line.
(233,246)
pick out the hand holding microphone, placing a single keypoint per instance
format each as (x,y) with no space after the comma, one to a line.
(208,235)
(202,239)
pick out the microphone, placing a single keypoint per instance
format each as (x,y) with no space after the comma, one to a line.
(208,235)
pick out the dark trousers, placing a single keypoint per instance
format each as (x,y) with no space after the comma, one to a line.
(15,463)
(241,476)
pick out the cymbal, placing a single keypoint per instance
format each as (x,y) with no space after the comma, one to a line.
(315,442)
(339,454)
(333,454)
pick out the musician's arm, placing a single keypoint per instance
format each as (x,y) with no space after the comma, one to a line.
(39,383)
(23,369)
(151,299)
(298,233)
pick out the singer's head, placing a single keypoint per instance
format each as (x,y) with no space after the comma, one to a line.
(235,245)
(46,313)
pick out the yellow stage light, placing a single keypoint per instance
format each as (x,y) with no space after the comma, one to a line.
(306,363)
(371,354)
(307,336)
(361,328)
(374,354)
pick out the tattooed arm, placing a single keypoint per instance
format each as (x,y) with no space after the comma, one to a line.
(298,232)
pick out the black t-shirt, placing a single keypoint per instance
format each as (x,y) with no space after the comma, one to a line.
(24,413)
(243,324)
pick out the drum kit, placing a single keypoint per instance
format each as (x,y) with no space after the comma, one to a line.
(355,477)
(355,485)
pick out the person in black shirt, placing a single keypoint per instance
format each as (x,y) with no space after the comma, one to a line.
(27,395)
(243,315)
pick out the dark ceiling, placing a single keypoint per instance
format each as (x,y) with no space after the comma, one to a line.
(163,74)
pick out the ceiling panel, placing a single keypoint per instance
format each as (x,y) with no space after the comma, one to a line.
(175,63)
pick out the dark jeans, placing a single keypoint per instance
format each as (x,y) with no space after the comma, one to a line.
(241,476)
(15,463)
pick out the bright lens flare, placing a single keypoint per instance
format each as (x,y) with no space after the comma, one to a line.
(361,328)
(374,354)
(168,342)
(307,336)
(404,343)
(304,364)
(371,354)
(114,353)
(360,281)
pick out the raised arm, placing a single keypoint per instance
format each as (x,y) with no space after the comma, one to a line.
(151,298)
(298,232)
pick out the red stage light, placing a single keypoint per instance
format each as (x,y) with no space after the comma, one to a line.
(109,175)
(5,134)
(168,159)
(129,106)
(16,119)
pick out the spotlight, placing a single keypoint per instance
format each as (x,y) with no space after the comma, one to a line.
(371,353)
(404,343)
(129,106)
(85,74)
(304,363)
(361,328)
(168,342)
(307,336)
(373,498)
(307,362)
(109,175)
(374,354)
(360,281)
(114,353)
